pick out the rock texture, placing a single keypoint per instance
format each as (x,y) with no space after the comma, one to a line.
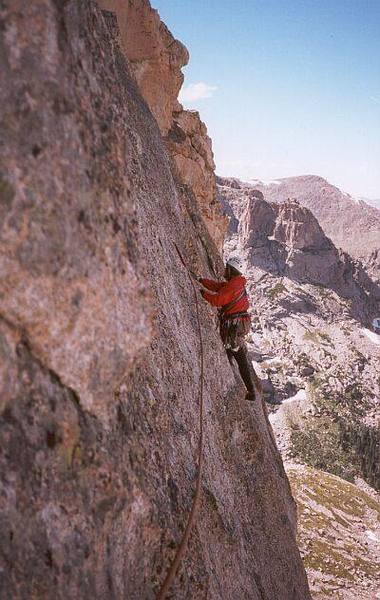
(311,344)
(155,56)
(256,222)
(156,59)
(372,265)
(339,535)
(99,352)
(71,269)
(298,229)
(190,147)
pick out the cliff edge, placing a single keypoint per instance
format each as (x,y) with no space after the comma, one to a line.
(156,59)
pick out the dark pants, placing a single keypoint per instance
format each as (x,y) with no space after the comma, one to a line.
(246,370)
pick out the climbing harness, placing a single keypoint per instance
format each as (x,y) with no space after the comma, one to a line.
(191,518)
(234,327)
(239,315)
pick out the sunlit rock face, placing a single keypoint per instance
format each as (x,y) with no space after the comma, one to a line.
(154,55)
(99,345)
(190,147)
(297,228)
(257,220)
(156,59)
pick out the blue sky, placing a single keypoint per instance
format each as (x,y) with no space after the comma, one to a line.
(292,86)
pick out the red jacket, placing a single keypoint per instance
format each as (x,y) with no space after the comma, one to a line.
(225,292)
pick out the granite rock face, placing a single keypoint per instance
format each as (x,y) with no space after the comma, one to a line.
(71,269)
(156,59)
(257,220)
(298,229)
(99,352)
(190,147)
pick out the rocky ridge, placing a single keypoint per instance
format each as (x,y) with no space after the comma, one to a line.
(312,346)
(156,59)
(99,348)
(286,240)
(351,223)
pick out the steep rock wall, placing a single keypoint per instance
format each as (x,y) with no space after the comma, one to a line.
(297,228)
(99,351)
(156,59)
(190,147)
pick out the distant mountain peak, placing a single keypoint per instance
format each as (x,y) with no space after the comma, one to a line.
(351,223)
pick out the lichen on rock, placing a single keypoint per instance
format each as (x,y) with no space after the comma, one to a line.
(339,535)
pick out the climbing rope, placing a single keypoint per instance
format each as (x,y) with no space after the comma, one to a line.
(190,521)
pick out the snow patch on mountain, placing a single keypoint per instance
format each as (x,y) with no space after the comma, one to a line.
(371,335)
(300,395)
(265,182)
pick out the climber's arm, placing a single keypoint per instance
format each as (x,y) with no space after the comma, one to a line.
(210,284)
(223,296)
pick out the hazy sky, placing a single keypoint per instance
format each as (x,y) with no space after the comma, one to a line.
(285,87)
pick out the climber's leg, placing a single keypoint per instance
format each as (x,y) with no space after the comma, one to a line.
(230,356)
(247,372)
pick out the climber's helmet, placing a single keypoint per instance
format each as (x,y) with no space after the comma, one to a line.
(234,266)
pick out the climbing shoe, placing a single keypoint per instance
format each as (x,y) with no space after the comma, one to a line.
(250,396)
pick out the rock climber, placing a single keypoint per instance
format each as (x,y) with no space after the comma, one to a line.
(231,298)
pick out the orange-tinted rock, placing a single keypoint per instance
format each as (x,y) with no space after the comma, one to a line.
(156,59)
(155,56)
(190,147)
